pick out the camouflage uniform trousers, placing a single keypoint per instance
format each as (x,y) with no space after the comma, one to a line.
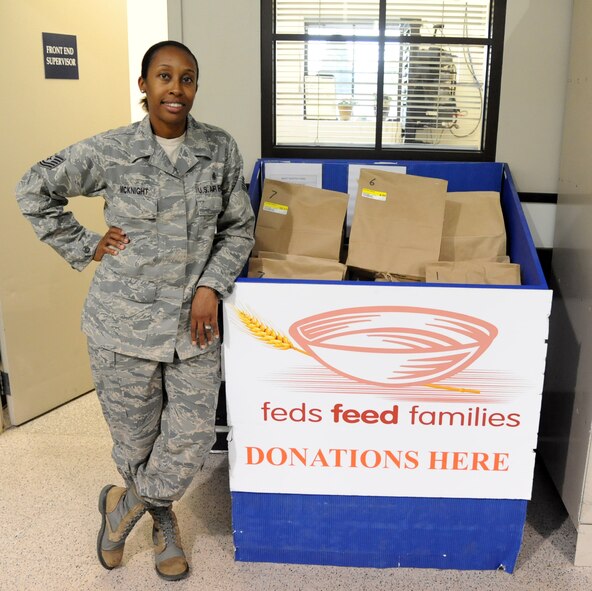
(161,417)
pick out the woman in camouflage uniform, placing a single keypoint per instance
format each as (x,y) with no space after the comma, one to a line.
(180,230)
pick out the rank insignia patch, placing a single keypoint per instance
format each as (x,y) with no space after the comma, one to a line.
(52,162)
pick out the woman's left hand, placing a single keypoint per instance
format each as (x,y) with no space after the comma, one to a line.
(204,317)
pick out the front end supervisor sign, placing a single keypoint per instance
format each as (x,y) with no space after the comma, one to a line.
(60,56)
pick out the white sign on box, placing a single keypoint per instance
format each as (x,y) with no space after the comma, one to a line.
(434,392)
(299,173)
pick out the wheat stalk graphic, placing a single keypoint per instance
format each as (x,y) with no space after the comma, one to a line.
(265,333)
(272,337)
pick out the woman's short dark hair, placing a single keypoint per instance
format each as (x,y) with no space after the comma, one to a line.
(152,51)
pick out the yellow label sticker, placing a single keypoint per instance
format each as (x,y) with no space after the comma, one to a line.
(275,207)
(372,194)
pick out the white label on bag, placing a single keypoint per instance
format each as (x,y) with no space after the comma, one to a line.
(275,207)
(372,194)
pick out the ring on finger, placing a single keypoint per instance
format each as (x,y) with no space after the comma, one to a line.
(207,327)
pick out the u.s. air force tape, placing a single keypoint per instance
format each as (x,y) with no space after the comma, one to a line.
(52,162)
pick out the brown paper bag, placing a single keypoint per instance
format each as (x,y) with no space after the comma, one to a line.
(397,222)
(474,272)
(473,227)
(287,266)
(302,220)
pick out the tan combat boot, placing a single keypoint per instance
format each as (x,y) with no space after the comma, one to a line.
(121,509)
(170,561)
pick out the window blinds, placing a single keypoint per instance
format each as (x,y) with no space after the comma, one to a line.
(426,61)
(459,18)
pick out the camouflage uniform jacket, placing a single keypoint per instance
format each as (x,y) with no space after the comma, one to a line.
(189,225)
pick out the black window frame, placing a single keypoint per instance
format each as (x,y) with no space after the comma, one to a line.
(494,42)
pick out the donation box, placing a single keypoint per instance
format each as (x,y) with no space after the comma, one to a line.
(413,449)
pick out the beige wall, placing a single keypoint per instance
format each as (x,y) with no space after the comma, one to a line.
(42,348)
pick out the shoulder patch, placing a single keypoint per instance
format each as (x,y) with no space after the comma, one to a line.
(52,162)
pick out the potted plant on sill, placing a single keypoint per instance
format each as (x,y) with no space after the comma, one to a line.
(386,106)
(345,109)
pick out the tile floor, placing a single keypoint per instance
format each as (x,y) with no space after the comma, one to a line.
(52,469)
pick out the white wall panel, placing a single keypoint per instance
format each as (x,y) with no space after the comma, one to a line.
(225,38)
(147,24)
(536,54)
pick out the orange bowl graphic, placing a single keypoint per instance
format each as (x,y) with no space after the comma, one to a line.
(394,345)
